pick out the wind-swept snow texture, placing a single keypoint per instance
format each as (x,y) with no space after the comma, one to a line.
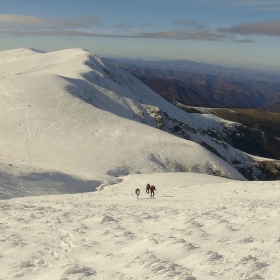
(198,227)
(69,112)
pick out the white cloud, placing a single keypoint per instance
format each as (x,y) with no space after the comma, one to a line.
(14,20)
(267,28)
(28,23)
(183,35)
(191,24)
(17,25)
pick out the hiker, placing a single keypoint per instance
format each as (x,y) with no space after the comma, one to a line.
(152,189)
(137,191)
(148,188)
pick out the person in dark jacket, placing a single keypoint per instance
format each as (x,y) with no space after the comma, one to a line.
(152,189)
(137,191)
(148,188)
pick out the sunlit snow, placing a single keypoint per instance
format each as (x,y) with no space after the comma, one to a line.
(75,143)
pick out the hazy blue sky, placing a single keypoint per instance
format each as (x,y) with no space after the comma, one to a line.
(240,33)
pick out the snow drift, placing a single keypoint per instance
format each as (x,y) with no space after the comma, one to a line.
(198,227)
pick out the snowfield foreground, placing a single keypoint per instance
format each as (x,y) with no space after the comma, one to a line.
(197,227)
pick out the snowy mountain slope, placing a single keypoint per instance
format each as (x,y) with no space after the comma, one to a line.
(47,124)
(260,160)
(21,181)
(130,98)
(53,142)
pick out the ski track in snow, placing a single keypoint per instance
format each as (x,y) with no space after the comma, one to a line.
(26,117)
(190,230)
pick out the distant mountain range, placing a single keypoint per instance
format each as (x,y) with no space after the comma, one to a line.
(198,84)
(188,66)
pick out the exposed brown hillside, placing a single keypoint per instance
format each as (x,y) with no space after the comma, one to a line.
(272,106)
(250,138)
(267,122)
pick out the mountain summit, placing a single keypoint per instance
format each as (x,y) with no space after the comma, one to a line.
(71,112)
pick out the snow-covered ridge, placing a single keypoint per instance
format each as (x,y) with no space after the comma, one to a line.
(70,112)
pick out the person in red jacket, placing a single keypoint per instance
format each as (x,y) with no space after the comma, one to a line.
(152,189)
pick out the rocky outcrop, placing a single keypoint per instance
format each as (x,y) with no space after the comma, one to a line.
(270,170)
(228,144)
